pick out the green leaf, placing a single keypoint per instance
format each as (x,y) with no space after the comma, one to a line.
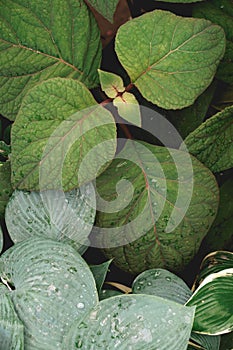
(165,284)
(111,84)
(213,263)
(108,293)
(66,217)
(212,142)
(99,273)
(226,341)
(162,283)
(53,287)
(170,59)
(188,119)
(220,236)
(133,322)
(44,40)
(147,224)
(213,301)
(1,239)
(221,13)
(11,328)
(5,186)
(128,108)
(58,124)
(107,8)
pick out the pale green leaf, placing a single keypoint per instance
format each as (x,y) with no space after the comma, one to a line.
(41,40)
(213,301)
(53,287)
(99,272)
(5,186)
(111,84)
(220,236)
(66,217)
(170,59)
(11,328)
(212,141)
(221,13)
(133,322)
(128,108)
(107,8)
(162,283)
(161,219)
(213,263)
(58,125)
(188,119)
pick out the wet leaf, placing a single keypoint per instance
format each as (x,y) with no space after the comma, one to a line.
(99,272)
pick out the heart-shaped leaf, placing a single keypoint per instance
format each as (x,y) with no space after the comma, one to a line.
(107,8)
(5,186)
(44,40)
(170,59)
(53,287)
(99,273)
(133,322)
(161,219)
(220,13)
(128,108)
(58,125)
(11,328)
(111,84)
(66,217)
(213,301)
(212,142)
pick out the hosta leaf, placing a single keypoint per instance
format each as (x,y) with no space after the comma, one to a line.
(213,263)
(188,119)
(170,59)
(162,283)
(220,236)
(212,142)
(58,124)
(111,84)
(11,328)
(213,301)
(133,322)
(221,13)
(165,284)
(107,8)
(128,108)
(108,293)
(1,239)
(53,287)
(99,273)
(64,217)
(147,224)
(44,40)
(5,186)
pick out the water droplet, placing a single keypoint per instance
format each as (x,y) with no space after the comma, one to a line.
(168,279)
(80,306)
(149,283)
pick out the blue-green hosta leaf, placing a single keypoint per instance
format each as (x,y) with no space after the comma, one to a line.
(107,8)
(212,142)
(213,301)
(150,224)
(170,59)
(213,263)
(58,125)
(41,40)
(165,284)
(99,273)
(220,236)
(66,217)
(5,186)
(221,13)
(133,322)
(128,108)
(162,283)
(111,84)
(53,287)
(11,328)
(1,239)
